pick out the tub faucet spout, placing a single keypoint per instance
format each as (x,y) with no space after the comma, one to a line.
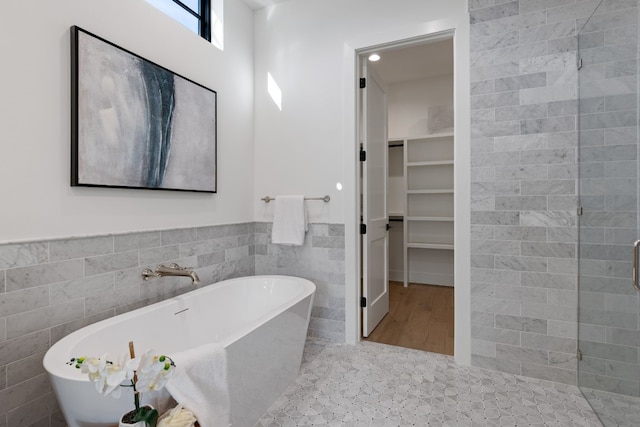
(171,270)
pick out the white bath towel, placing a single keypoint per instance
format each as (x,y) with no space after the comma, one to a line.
(289,221)
(200,384)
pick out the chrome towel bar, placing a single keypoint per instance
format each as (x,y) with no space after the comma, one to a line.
(325,199)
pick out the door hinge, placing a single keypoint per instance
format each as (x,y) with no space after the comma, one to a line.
(363,155)
(363,302)
(579,354)
(580,210)
(579,63)
(363,82)
(388,227)
(363,228)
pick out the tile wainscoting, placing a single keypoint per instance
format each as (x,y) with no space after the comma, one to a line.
(320,260)
(51,288)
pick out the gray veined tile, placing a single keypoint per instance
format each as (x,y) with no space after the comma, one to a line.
(494,41)
(520,323)
(555,62)
(611,119)
(548,187)
(553,124)
(183,235)
(549,249)
(23,254)
(522,354)
(520,112)
(23,300)
(80,288)
(562,45)
(42,318)
(520,233)
(532,5)
(517,22)
(581,10)
(80,248)
(495,218)
(133,241)
(547,218)
(549,156)
(520,203)
(521,172)
(520,263)
(491,276)
(488,72)
(600,22)
(483,87)
(494,12)
(15,349)
(107,263)
(623,69)
(158,255)
(42,274)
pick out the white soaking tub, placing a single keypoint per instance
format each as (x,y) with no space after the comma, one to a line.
(262,322)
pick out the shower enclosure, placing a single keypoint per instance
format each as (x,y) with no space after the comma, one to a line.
(608,302)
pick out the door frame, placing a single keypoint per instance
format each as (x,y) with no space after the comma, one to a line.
(459,30)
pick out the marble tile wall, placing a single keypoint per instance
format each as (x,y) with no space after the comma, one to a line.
(524,174)
(608,318)
(51,288)
(320,260)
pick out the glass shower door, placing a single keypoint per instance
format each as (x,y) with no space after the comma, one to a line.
(608,304)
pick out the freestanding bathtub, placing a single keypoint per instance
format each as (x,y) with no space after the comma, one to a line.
(261,321)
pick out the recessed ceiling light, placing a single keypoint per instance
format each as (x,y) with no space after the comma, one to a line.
(374,57)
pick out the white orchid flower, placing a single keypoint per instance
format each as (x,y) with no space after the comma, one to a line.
(107,373)
(153,371)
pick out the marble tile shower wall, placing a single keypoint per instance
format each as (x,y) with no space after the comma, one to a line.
(51,288)
(608,322)
(320,260)
(524,186)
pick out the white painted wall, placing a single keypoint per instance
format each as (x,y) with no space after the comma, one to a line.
(310,48)
(408,103)
(37,200)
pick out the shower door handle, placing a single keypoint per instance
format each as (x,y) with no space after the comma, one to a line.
(635,277)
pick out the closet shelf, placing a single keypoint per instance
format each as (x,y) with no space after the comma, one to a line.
(430,218)
(419,137)
(428,166)
(432,163)
(446,246)
(443,191)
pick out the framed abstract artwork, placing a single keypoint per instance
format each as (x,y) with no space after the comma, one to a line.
(135,124)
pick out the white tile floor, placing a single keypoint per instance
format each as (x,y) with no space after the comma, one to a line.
(379,385)
(614,409)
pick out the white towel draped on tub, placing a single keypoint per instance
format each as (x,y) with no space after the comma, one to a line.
(289,221)
(199,383)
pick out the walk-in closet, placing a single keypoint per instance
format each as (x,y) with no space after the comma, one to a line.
(418,80)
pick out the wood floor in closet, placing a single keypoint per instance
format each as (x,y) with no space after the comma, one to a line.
(420,317)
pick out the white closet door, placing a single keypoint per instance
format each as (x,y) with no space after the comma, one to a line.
(374,173)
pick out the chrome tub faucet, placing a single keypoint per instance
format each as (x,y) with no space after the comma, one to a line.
(171,270)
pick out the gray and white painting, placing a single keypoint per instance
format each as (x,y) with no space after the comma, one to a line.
(140,125)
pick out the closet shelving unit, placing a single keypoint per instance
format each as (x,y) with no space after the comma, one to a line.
(428,210)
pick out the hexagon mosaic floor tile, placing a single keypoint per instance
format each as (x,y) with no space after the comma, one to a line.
(614,409)
(380,385)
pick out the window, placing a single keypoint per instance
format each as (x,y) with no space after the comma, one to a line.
(193,14)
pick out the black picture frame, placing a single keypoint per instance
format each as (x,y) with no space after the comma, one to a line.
(136,124)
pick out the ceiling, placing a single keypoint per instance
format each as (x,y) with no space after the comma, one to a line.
(259,4)
(415,62)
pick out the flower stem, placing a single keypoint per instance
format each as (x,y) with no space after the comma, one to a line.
(136,395)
